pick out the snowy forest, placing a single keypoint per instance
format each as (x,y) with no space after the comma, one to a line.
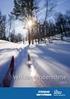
(26,11)
(35,44)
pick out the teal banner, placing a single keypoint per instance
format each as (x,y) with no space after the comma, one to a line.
(34,93)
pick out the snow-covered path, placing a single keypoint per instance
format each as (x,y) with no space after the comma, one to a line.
(50,66)
(23,75)
(50,63)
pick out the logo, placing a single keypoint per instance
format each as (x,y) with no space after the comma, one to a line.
(54,93)
(43,93)
(58,93)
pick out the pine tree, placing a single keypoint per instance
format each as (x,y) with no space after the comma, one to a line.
(2,26)
(24,9)
(60,23)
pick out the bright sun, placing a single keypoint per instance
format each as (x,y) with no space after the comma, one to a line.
(19,27)
(30,23)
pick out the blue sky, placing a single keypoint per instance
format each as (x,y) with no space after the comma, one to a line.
(63,6)
(7,5)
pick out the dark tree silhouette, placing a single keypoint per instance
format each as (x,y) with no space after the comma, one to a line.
(60,24)
(2,26)
(24,10)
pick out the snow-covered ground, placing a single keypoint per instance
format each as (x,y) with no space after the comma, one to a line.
(50,63)
(7,50)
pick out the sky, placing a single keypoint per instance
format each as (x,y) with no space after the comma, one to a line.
(61,6)
(6,7)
